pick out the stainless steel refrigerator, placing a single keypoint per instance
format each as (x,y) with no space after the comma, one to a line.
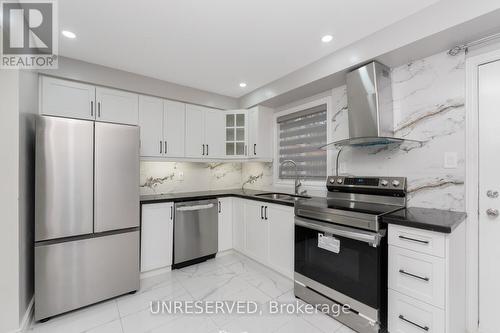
(87,213)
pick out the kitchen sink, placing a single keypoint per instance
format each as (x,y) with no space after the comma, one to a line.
(282,196)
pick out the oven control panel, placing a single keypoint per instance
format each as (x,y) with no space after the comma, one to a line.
(395,183)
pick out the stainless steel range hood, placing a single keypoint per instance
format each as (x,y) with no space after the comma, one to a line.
(369,100)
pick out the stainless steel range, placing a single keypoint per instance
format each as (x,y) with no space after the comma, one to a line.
(341,248)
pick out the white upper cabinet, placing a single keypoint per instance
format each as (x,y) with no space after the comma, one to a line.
(162,127)
(195,131)
(66,98)
(236,133)
(204,132)
(260,133)
(117,106)
(214,133)
(151,123)
(174,124)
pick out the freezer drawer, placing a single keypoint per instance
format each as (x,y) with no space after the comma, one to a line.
(77,273)
(64,177)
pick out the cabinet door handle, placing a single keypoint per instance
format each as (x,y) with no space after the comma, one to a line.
(165,147)
(246,150)
(261,212)
(424,328)
(219,207)
(402,271)
(265,212)
(171,212)
(203,153)
(413,239)
(98,109)
(207,150)
(255,149)
(92,108)
(161,145)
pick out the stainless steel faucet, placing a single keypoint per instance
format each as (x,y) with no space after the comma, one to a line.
(298,183)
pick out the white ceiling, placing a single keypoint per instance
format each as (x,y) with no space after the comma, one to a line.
(215,44)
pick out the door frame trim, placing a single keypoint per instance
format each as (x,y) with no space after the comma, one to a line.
(472,183)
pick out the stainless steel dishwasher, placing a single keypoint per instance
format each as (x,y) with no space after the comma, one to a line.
(195,232)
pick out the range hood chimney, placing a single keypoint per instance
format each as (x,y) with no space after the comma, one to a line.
(369,100)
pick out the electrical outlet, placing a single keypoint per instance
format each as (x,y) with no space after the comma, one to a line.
(450,160)
(180,175)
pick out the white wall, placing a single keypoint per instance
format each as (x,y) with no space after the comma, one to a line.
(9,171)
(28,108)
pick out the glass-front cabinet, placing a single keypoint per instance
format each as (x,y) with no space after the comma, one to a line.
(236,124)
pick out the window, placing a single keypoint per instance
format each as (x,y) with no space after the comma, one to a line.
(300,135)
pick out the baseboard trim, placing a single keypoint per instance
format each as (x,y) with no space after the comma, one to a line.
(27,318)
(155,272)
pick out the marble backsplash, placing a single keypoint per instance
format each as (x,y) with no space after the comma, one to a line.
(171,177)
(429,106)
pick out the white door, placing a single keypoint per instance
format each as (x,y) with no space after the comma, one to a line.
(214,133)
(173,128)
(489,187)
(238,225)
(256,245)
(151,123)
(281,238)
(195,131)
(67,98)
(117,106)
(156,236)
(225,224)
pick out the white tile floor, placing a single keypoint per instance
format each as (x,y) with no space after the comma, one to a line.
(229,277)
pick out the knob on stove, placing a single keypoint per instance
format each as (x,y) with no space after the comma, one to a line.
(395,183)
(332,180)
(339,180)
(384,182)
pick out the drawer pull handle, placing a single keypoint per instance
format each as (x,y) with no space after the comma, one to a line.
(413,275)
(414,240)
(425,328)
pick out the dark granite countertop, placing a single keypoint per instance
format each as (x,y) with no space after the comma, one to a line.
(426,218)
(201,195)
(415,217)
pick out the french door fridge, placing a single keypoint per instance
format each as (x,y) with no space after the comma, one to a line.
(87,213)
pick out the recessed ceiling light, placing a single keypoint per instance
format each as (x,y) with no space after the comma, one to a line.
(327,38)
(68,34)
(243,84)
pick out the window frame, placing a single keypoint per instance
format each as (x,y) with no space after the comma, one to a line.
(303,105)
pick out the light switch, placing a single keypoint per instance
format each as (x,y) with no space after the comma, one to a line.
(450,160)
(180,175)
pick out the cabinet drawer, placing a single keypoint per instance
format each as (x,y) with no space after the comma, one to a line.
(424,241)
(407,315)
(417,275)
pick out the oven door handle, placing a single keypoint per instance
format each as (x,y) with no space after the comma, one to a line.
(372,238)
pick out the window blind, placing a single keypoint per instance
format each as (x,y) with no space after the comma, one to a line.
(300,136)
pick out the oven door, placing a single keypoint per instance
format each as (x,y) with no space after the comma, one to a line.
(344,264)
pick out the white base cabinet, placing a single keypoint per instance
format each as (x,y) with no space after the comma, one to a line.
(238,225)
(268,231)
(225,235)
(426,280)
(157,226)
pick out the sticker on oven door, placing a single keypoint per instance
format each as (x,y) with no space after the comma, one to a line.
(328,243)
